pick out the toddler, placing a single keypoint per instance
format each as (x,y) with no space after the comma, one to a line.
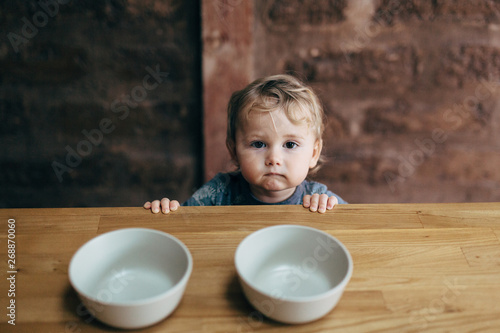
(274,136)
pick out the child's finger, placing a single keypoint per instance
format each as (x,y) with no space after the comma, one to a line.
(322,204)
(314,202)
(165,205)
(147,205)
(174,204)
(155,206)
(332,201)
(306,201)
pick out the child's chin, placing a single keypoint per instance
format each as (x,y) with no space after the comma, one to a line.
(273,185)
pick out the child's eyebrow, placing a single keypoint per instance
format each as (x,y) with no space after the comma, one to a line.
(293,136)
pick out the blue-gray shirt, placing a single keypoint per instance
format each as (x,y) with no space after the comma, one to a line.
(227,189)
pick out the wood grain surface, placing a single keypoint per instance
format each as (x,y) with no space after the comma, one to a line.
(417,267)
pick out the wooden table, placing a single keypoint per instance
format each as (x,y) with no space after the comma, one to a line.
(417,267)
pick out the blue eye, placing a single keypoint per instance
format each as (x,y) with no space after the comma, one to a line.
(290,145)
(258,144)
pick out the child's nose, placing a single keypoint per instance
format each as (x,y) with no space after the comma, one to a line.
(273,157)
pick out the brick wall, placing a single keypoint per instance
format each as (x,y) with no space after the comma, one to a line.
(411,90)
(99,102)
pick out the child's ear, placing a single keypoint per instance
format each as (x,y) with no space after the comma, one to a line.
(318,146)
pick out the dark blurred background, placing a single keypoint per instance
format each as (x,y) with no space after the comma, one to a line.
(115,102)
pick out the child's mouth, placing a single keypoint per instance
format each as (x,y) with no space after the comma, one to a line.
(273,174)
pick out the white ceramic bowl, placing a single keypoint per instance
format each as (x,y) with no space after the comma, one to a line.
(131,278)
(293,274)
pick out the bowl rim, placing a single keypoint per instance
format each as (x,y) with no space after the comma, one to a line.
(148,300)
(298,299)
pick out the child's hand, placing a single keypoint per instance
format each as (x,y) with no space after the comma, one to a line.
(319,203)
(165,204)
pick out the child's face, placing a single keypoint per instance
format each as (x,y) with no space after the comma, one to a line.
(274,154)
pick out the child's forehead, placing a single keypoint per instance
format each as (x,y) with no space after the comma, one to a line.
(259,117)
(274,121)
(292,112)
